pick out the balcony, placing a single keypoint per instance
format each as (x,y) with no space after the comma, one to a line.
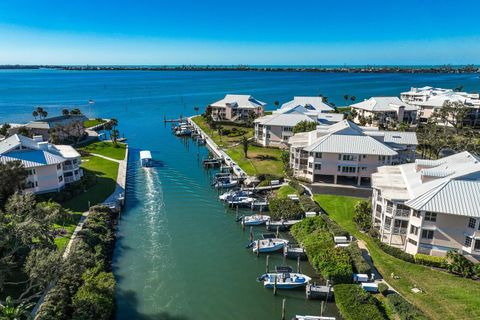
(69,167)
(69,179)
(389,210)
(399,230)
(402,213)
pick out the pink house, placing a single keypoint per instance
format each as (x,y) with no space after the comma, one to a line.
(345,152)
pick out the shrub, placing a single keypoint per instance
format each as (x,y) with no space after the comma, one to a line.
(334,228)
(334,264)
(476,270)
(308,204)
(395,252)
(359,263)
(265,179)
(404,309)
(374,233)
(354,303)
(382,288)
(295,185)
(363,215)
(306,227)
(284,208)
(432,261)
(458,264)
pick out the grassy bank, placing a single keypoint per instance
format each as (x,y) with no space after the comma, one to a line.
(92,122)
(445,296)
(106,172)
(260,160)
(107,149)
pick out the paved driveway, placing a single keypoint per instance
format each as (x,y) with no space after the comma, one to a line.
(341,190)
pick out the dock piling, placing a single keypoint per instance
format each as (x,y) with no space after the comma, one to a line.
(283,308)
(278,232)
(298,264)
(251,233)
(258,248)
(267,269)
(275,286)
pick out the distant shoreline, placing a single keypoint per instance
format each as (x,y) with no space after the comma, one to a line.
(323,69)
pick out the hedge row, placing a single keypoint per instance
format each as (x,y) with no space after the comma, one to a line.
(359,263)
(332,263)
(334,228)
(395,252)
(86,287)
(404,309)
(308,204)
(432,261)
(354,303)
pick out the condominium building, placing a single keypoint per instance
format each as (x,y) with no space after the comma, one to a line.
(429,99)
(430,206)
(50,167)
(305,105)
(382,111)
(236,107)
(346,152)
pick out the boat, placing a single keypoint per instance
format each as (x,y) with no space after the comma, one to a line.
(293,251)
(183,131)
(297,317)
(284,278)
(255,220)
(146,159)
(268,245)
(240,201)
(225,183)
(234,194)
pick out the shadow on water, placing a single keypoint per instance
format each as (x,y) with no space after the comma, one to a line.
(130,298)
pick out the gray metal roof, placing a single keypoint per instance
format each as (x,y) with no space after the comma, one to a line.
(32,158)
(383,104)
(458,197)
(286,120)
(350,144)
(399,137)
(16,141)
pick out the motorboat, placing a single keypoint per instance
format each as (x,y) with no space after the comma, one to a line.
(234,194)
(241,201)
(255,220)
(283,278)
(297,317)
(225,183)
(268,245)
(146,159)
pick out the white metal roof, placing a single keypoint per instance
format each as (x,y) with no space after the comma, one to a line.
(383,104)
(350,144)
(409,138)
(239,101)
(286,120)
(309,103)
(67,152)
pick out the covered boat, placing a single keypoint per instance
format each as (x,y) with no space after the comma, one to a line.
(255,220)
(268,245)
(241,201)
(234,194)
(146,159)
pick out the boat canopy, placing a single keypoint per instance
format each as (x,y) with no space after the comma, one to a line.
(145,155)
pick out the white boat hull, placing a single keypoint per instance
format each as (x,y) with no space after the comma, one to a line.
(285,280)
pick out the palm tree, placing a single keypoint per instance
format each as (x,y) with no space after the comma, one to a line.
(44,114)
(276,103)
(114,136)
(353,98)
(65,112)
(10,311)
(40,111)
(108,127)
(346,98)
(76,111)
(245,144)
(35,114)
(219,130)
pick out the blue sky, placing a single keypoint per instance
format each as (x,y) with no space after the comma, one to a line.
(239,32)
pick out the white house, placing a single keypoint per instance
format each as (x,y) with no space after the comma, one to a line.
(50,167)
(384,110)
(347,151)
(313,105)
(429,99)
(430,206)
(236,107)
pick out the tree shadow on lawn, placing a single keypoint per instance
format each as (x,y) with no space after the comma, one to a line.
(265,157)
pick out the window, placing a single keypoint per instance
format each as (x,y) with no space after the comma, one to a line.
(74,161)
(364,168)
(414,230)
(468,241)
(472,222)
(318,155)
(339,168)
(59,166)
(427,234)
(285,138)
(289,129)
(348,157)
(416,213)
(60,178)
(411,241)
(318,166)
(310,165)
(431,216)
(268,135)
(36,184)
(477,245)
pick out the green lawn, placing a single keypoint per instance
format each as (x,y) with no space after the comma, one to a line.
(92,122)
(107,149)
(260,160)
(343,109)
(223,141)
(445,296)
(106,172)
(284,191)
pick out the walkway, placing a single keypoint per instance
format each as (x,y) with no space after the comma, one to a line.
(368,259)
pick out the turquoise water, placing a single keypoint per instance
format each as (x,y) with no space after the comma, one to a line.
(180,254)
